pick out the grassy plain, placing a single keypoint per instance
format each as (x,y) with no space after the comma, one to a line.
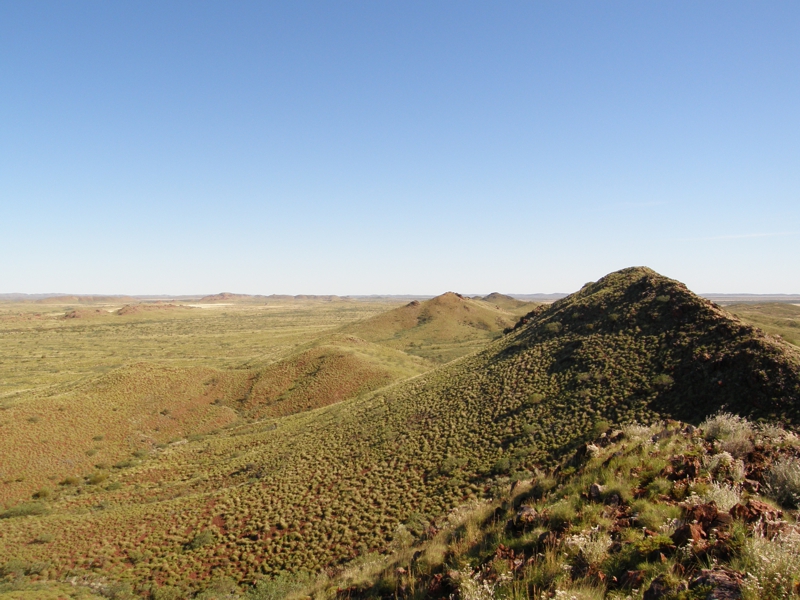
(776,318)
(42,349)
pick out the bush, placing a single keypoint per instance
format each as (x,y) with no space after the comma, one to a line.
(783,481)
(772,566)
(554,327)
(279,588)
(25,509)
(734,433)
(663,380)
(97,478)
(204,538)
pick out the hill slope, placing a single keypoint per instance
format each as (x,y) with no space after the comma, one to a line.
(439,329)
(313,490)
(507,303)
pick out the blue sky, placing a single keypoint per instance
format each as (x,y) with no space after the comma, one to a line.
(397,147)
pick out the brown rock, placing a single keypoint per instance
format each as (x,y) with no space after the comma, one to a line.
(595,492)
(755,510)
(632,579)
(725,584)
(690,532)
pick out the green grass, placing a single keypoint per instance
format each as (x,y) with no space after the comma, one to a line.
(774,318)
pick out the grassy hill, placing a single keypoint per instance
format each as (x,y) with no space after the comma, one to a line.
(439,329)
(507,303)
(117,418)
(315,491)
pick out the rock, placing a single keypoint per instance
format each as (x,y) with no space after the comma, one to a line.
(755,510)
(690,532)
(633,579)
(527,515)
(705,514)
(725,584)
(658,589)
(595,492)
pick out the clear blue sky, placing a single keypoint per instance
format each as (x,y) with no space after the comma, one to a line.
(397,147)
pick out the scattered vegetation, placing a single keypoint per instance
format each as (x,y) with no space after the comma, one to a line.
(539,466)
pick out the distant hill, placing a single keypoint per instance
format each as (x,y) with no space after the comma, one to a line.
(442,328)
(512,305)
(315,490)
(86,300)
(337,368)
(227,297)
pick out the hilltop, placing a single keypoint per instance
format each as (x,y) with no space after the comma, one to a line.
(314,490)
(508,303)
(440,329)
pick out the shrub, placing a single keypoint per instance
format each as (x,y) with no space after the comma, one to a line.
(25,509)
(723,465)
(592,546)
(724,496)
(96,478)
(203,538)
(279,587)
(70,480)
(663,380)
(772,567)
(43,494)
(554,327)
(783,481)
(734,433)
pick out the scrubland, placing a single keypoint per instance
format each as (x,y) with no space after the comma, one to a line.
(349,465)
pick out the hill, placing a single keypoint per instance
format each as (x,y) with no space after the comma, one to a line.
(227,297)
(333,369)
(314,490)
(86,300)
(508,303)
(132,411)
(439,329)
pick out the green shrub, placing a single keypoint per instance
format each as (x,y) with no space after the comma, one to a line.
(203,538)
(44,538)
(773,570)
(734,433)
(97,478)
(783,481)
(26,509)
